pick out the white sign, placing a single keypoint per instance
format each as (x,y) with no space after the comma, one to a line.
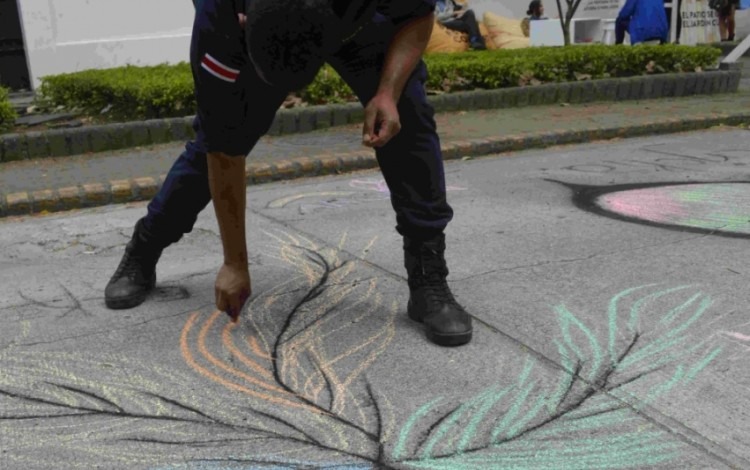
(74,35)
(700,24)
(605,9)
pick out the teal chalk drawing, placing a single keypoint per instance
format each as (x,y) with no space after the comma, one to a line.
(471,430)
(566,318)
(702,364)
(669,317)
(449,423)
(517,428)
(669,385)
(535,425)
(514,410)
(612,316)
(565,381)
(635,311)
(398,451)
(669,339)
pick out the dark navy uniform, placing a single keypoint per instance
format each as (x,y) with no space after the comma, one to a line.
(236,107)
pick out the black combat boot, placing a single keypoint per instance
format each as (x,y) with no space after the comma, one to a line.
(430,299)
(135,277)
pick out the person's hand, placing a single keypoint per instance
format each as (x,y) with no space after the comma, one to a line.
(458,14)
(381,121)
(242,18)
(232,290)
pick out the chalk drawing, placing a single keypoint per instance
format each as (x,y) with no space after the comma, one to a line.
(379,185)
(367,190)
(288,387)
(520,424)
(666,160)
(737,341)
(717,208)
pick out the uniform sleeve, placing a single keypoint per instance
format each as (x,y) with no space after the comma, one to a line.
(404,10)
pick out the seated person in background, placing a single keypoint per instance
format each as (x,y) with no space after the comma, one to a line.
(459,18)
(644,20)
(536,10)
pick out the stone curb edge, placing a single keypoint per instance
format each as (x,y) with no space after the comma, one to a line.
(144,189)
(109,137)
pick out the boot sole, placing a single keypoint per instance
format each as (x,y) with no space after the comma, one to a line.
(441,339)
(124,303)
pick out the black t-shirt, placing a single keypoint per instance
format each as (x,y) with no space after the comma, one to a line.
(397,10)
(402,10)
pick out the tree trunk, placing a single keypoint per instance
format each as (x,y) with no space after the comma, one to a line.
(567,18)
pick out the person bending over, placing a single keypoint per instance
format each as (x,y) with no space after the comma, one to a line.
(245,60)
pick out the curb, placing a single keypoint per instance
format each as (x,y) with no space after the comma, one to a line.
(78,141)
(144,189)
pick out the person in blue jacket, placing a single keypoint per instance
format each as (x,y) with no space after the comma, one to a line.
(246,56)
(644,20)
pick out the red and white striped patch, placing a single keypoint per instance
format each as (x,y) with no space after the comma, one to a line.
(219,70)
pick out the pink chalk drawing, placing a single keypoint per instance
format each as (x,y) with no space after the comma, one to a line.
(737,341)
(720,208)
(738,336)
(650,204)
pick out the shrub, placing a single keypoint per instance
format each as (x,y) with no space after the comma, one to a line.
(499,68)
(8,115)
(167,90)
(124,92)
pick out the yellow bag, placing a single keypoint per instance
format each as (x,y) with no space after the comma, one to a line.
(505,33)
(446,40)
(498,25)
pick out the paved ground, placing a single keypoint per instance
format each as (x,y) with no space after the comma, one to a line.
(53,173)
(610,297)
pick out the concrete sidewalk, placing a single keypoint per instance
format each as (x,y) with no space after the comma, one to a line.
(53,184)
(611,326)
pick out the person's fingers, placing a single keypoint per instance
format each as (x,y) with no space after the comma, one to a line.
(388,131)
(237,303)
(221,301)
(395,128)
(234,309)
(368,129)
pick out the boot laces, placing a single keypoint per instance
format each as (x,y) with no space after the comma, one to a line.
(433,279)
(134,265)
(129,267)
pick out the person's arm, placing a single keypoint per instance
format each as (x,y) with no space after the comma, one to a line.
(404,53)
(226,178)
(443,14)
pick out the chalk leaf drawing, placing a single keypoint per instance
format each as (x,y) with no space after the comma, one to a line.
(289,387)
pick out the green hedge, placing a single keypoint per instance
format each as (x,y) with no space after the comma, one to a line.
(167,90)
(8,115)
(504,68)
(128,92)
